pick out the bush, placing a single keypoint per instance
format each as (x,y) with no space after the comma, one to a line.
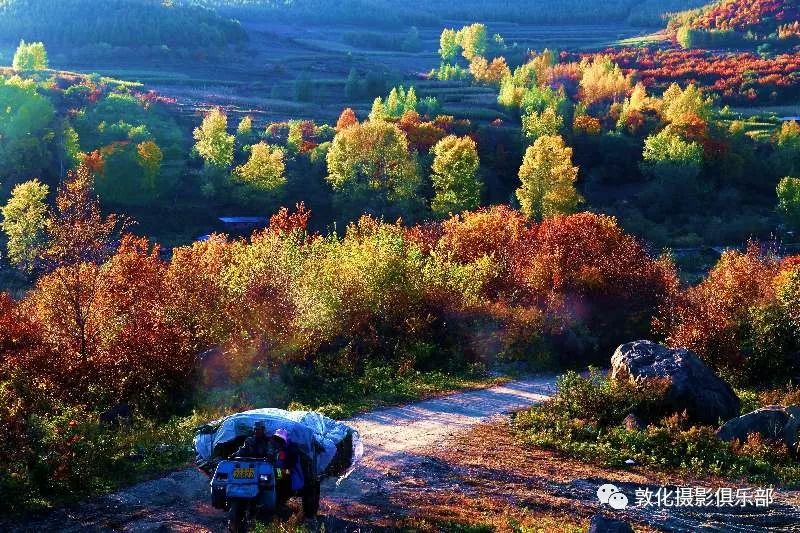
(67,453)
(587,269)
(584,420)
(741,318)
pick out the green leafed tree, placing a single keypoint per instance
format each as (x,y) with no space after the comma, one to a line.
(245,127)
(372,158)
(448,45)
(294,139)
(378,111)
(548,179)
(411,41)
(264,170)
(352,86)
(30,56)
(303,88)
(410,103)
(535,125)
(394,102)
(789,201)
(25,223)
(27,130)
(679,104)
(150,157)
(71,146)
(455,175)
(667,156)
(398,102)
(214,143)
(785,158)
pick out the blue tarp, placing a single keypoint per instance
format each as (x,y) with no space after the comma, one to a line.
(314,434)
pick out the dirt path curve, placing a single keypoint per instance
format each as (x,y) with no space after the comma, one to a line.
(180,501)
(389,433)
(396,437)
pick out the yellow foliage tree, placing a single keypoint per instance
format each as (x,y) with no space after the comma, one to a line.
(214,143)
(603,80)
(473,40)
(535,125)
(679,105)
(372,157)
(548,179)
(490,72)
(634,106)
(455,175)
(264,170)
(245,127)
(150,158)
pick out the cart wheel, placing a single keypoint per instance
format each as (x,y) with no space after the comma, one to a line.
(237,517)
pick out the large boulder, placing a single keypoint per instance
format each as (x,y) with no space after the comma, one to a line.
(773,422)
(693,387)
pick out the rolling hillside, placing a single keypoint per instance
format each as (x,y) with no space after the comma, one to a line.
(738,23)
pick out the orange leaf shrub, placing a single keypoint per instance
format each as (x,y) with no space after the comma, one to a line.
(741,318)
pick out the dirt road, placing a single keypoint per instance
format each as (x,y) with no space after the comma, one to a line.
(396,438)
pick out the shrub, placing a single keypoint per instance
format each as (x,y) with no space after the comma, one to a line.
(741,318)
(114,342)
(584,267)
(583,420)
(499,233)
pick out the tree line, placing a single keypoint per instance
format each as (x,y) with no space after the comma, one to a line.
(123,23)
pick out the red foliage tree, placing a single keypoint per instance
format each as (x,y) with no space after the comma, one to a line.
(112,329)
(741,15)
(499,232)
(346,119)
(586,267)
(707,318)
(285,221)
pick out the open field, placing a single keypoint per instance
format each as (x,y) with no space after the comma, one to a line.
(643,40)
(258,79)
(777,111)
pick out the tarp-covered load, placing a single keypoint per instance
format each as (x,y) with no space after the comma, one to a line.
(334,447)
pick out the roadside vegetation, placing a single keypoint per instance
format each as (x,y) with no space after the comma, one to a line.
(586,420)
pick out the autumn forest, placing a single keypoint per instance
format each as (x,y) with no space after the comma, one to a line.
(214,205)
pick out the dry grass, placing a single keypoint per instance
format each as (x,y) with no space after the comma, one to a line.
(486,480)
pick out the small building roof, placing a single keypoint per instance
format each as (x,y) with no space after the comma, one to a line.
(243,220)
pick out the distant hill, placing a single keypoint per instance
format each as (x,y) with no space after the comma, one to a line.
(116,23)
(739,24)
(436,12)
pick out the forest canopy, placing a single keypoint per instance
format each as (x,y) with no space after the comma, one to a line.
(116,23)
